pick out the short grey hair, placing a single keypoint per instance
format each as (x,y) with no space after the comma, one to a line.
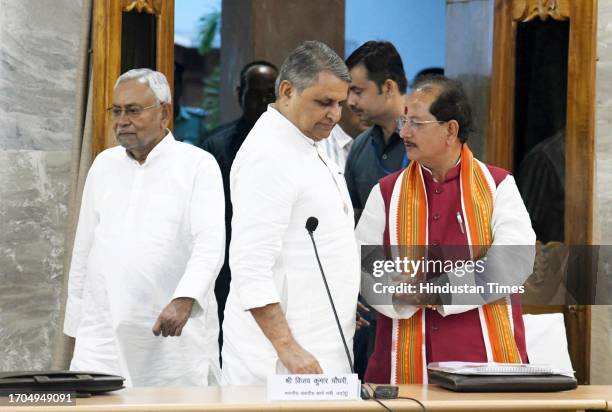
(306,61)
(156,81)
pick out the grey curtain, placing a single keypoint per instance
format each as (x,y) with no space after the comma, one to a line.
(80,162)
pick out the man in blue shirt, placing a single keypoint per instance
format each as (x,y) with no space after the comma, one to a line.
(376,95)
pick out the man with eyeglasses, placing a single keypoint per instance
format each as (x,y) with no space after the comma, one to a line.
(148,248)
(445,197)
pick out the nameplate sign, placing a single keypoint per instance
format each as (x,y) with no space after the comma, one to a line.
(323,387)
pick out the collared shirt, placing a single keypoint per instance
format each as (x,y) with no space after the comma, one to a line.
(147,233)
(370,160)
(279,179)
(337,146)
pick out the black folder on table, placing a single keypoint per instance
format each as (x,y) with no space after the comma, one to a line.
(501,383)
(59,381)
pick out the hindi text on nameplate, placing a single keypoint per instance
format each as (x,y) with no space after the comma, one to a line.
(323,387)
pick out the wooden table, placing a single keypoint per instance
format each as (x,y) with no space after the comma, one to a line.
(251,398)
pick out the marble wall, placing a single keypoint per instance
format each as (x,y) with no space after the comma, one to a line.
(38,59)
(601,333)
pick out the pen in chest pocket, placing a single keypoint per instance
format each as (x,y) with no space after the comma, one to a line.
(460,221)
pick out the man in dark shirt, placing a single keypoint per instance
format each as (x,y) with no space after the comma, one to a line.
(255,92)
(376,95)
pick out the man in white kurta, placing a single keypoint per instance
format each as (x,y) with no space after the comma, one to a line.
(278,318)
(150,235)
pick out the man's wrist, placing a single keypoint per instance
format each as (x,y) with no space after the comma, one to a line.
(184,302)
(284,344)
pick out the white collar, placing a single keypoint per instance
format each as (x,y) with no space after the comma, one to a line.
(277,115)
(342,137)
(164,144)
(431,173)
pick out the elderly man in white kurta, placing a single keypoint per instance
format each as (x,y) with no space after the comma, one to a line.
(278,318)
(148,248)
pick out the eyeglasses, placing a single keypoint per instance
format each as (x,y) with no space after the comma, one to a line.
(414,124)
(132,112)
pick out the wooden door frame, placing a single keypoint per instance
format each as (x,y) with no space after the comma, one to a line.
(579,129)
(107,21)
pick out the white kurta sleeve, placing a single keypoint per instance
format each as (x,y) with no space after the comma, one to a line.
(263,194)
(370,231)
(510,259)
(207,217)
(88,220)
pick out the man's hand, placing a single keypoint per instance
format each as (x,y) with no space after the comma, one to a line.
(273,324)
(173,318)
(416,298)
(362,310)
(298,360)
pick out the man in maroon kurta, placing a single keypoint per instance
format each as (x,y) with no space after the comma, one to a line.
(434,132)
